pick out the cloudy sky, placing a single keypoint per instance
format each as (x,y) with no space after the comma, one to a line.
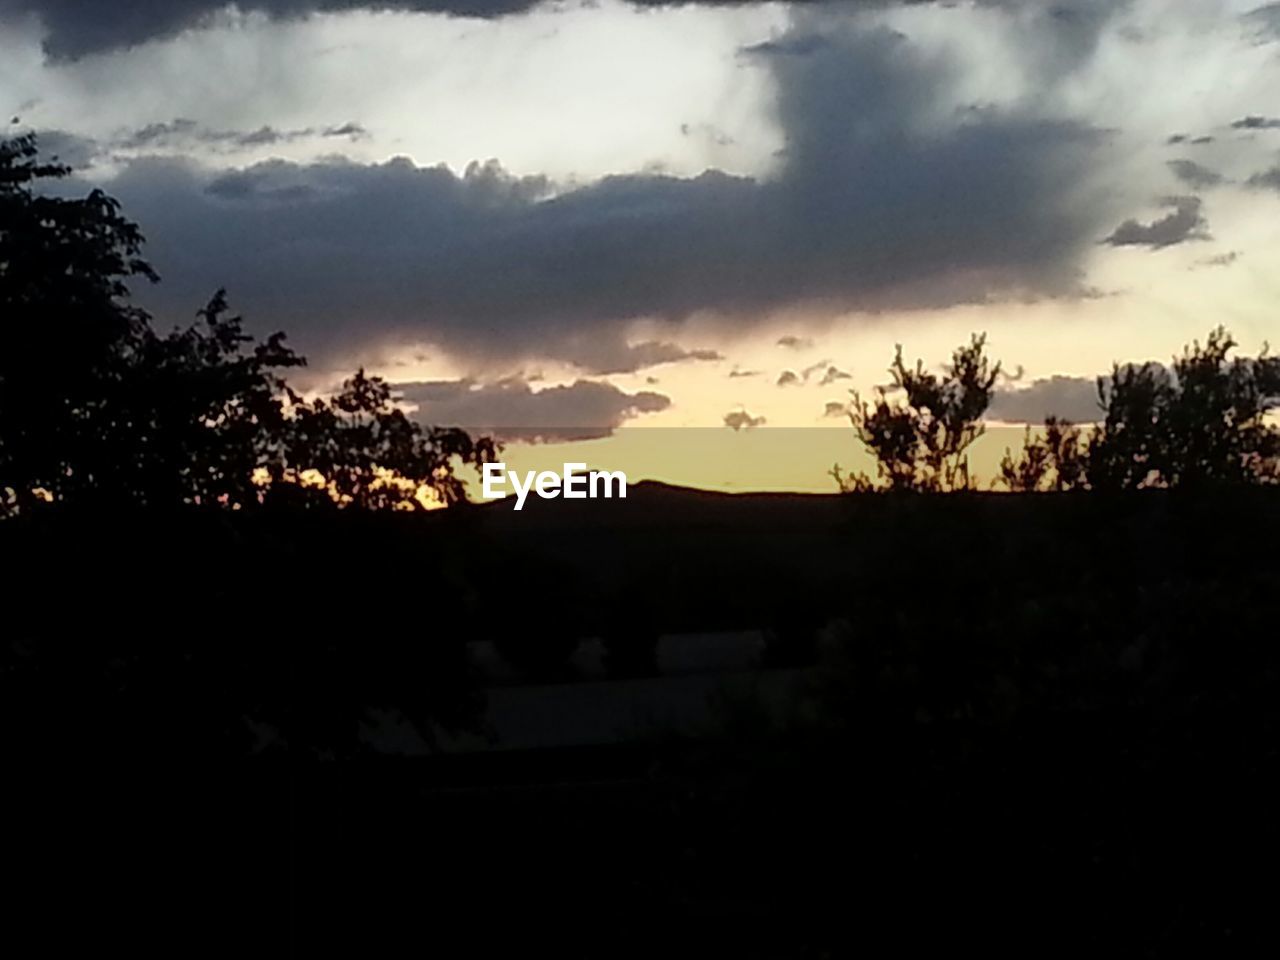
(562,218)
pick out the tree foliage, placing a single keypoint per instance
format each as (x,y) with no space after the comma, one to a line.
(1201,423)
(1057,461)
(920,426)
(69,334)
(365,452)
(95,405)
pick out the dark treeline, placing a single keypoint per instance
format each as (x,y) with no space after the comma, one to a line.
(1037,724)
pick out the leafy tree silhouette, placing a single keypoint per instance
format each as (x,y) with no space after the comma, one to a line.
(69,331)
(96,406)
(1201,423)
(369,454)
(919,438)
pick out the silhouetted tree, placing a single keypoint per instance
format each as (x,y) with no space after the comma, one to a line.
(95,405)
(920,438)
(1200,424)
(69,333)
(363,451)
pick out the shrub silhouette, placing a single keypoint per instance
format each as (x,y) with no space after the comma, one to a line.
(1057,461)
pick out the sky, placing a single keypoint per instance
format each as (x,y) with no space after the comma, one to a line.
(568,221)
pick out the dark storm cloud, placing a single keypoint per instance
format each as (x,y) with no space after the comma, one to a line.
(1068,398)
(512,410)
(76,28)
(875,208)
(1183,223)
(80,27)
(741,420)
(1194,175)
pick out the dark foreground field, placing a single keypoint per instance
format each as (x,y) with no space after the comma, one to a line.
(1025,725)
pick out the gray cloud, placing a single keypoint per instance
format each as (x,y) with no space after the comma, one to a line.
(835,408)
(184,132)
(733,374)
(810,370)
(741,420)
(873,209)
(77,28)
(1184,223)
(80,27)
(1264,21)
(1219,260)
(70,149)
(792,342)
(1266,180)
(831,375)
(1194,175)
(1254,122)
(351,130)
(611,357)
(512,410)
(1069,398)
(788,378)
(155,134)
